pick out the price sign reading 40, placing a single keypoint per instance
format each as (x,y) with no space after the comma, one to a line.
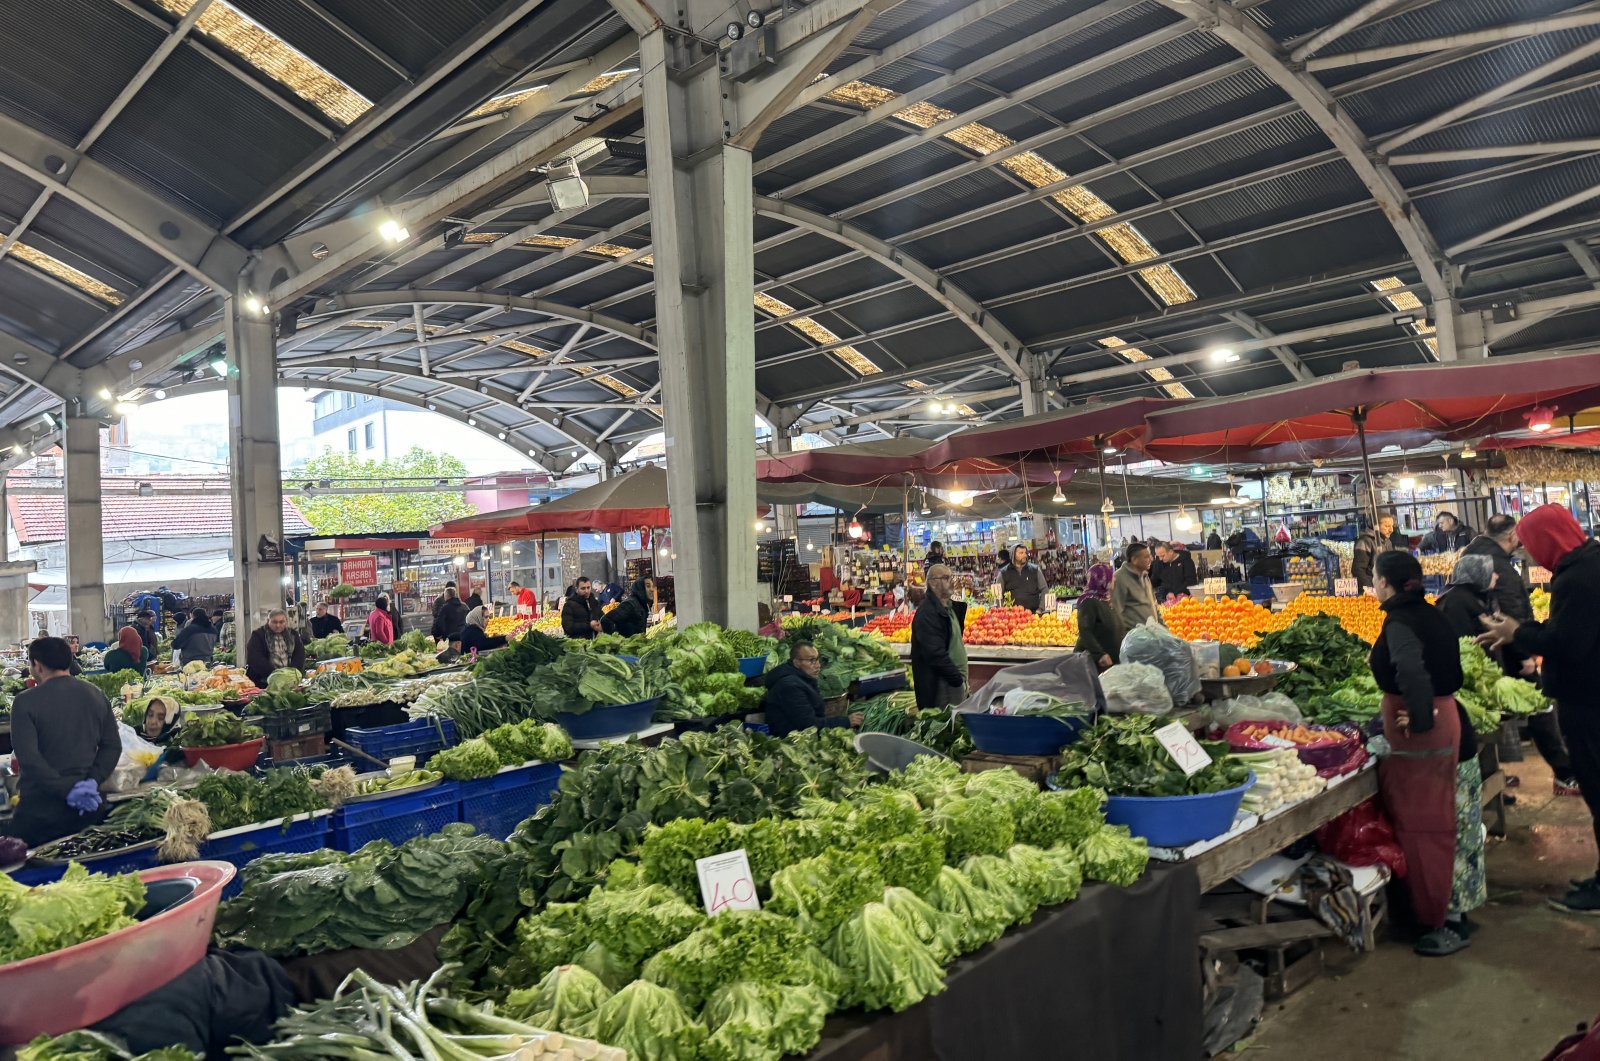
(726,884)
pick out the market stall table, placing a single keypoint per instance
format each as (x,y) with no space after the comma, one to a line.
(985,661)
(1112,975)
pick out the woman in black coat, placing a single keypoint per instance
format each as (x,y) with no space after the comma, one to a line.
(1470,595)
(633,614)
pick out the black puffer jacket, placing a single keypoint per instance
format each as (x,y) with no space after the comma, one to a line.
(631,616)
(794,702)
(1569,640)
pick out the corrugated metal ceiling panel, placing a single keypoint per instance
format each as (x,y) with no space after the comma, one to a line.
(1249,151)
(1457,215)
(413,32)
(40,310)
(213,153)
(324,44)
(1271,202)
(65,63)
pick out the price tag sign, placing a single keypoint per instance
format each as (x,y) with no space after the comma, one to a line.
(1063,611)
(788,598)
(726,884)
(1216,587)
(1184,749)
(1049,602)
(1539,576)
(994,590)
(1346,587)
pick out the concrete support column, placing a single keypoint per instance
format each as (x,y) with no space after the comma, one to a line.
(86,588)
(701,209)
(785,518)
(253,460)
(5,520)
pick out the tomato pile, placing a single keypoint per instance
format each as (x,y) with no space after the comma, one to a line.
(895,628)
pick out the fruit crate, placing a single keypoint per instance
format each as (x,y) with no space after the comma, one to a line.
(420,737)
(497,805)
(397,818)
(312,746)
(247,843)
(293,725)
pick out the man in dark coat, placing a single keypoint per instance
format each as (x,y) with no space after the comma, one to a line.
(794,699)
(1374,542)
(1173,572)
(938,655)
(580,614)
(449,615)
(632,616)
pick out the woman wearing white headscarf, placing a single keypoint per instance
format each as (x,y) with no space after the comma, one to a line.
(475,638)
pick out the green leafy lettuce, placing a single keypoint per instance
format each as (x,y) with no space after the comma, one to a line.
(78,907)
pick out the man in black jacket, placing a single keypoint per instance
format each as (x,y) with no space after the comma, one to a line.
(325,625)
(449,615)
(1569,643)
(580,614)
(1448,535)
(794,700)
(1173,572)
(1373,542)
(938,654)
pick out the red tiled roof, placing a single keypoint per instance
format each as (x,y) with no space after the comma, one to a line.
(125,516)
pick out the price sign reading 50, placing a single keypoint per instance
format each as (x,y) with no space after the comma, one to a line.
(725,883)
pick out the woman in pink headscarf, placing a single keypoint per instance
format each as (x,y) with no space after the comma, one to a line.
(1099,630)
(1569,642)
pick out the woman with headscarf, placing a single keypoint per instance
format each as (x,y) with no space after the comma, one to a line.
(1416,662)
(1569,641)
(130,653)
(1099,630)
(630,617)
(475,638)
(1469,596)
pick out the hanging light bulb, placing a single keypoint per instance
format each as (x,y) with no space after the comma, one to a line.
(1540,419)
(1183,521)
(1467,452)
(926,511)
(855,528)
(1059,498)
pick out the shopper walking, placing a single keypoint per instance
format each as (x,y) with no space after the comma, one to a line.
(938,653)
(198,639)
(631,617)
(64,736)
(380,628)
(1416,662)
(449,615)
(1023,581)
(580,613)
(1100,631)
(1448,535)
(1133,596)
(130,653)
(794,698)
(273,646)
(1373,543)
(1569,642)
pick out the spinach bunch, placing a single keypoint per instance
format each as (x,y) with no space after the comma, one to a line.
(1121,756)
(582,681)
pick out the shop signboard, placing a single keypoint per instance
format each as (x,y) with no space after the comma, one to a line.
(359,571)
(445,546)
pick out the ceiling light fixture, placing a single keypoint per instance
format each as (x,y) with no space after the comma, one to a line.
(393,231)
(219,365)
(1183,521)
(161,395)
(1110,451)
(1540,419)
(1223,356)
(502,436)
(1058,497)
(566,186)
(1467,452)
(855,530)
(104,394)
(254,306)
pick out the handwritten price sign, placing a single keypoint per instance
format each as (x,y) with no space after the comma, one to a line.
(1184,749)
(726,884)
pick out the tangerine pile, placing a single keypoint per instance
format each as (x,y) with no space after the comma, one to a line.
(1360,616)
(1233,620)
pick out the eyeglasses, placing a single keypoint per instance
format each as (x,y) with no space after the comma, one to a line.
(808,659)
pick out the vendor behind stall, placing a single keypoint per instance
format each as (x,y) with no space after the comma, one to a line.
(323,624)
(794,697)
(65,738)
(273,647)
(130,653)
(1022,580)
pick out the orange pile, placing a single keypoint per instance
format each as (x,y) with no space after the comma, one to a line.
(1233,620)
(1360,616)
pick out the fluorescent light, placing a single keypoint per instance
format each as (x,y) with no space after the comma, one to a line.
(1224,356)
(219,365)
(393,231)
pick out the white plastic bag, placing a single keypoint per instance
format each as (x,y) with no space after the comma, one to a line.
(1136,689)
(1274,707)
(1159,647)
(138,755)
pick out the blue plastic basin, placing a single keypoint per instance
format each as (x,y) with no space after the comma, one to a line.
(752,666)
(1178,821)
(1020,734)
(616,721)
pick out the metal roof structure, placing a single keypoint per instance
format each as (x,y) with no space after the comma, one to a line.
(977,201)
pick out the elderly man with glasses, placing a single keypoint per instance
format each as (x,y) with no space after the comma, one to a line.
(938,653)
(794,698)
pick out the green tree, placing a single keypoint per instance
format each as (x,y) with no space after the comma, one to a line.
(378,512)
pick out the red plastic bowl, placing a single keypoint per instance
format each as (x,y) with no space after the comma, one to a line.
(226,756)
(73,988)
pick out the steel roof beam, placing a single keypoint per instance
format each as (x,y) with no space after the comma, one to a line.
(442,296)
(182,239)
(1236,29)
(1287,357)
(1494,35)
(1361,16)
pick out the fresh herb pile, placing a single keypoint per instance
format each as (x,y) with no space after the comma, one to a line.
(75,909)
(414,642)
(518,661)
(136,821)
(111,683)
(579,682)
(508,745)
(865,901)
(279,702)
(215,730)
(234,799)
(380,897)
(846,654)
(1121,755)
(94,1046)
(935,727)
(1356,700)
(1326,652)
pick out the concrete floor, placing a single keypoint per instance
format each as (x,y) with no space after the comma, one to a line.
(1528,978)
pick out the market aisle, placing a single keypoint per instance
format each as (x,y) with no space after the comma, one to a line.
(1525,981)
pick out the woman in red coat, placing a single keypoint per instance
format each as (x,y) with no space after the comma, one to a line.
(380,627)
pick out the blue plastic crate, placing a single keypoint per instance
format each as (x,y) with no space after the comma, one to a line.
(131,860)
(397,818)
(242,846)
(419,737)
(496,805)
